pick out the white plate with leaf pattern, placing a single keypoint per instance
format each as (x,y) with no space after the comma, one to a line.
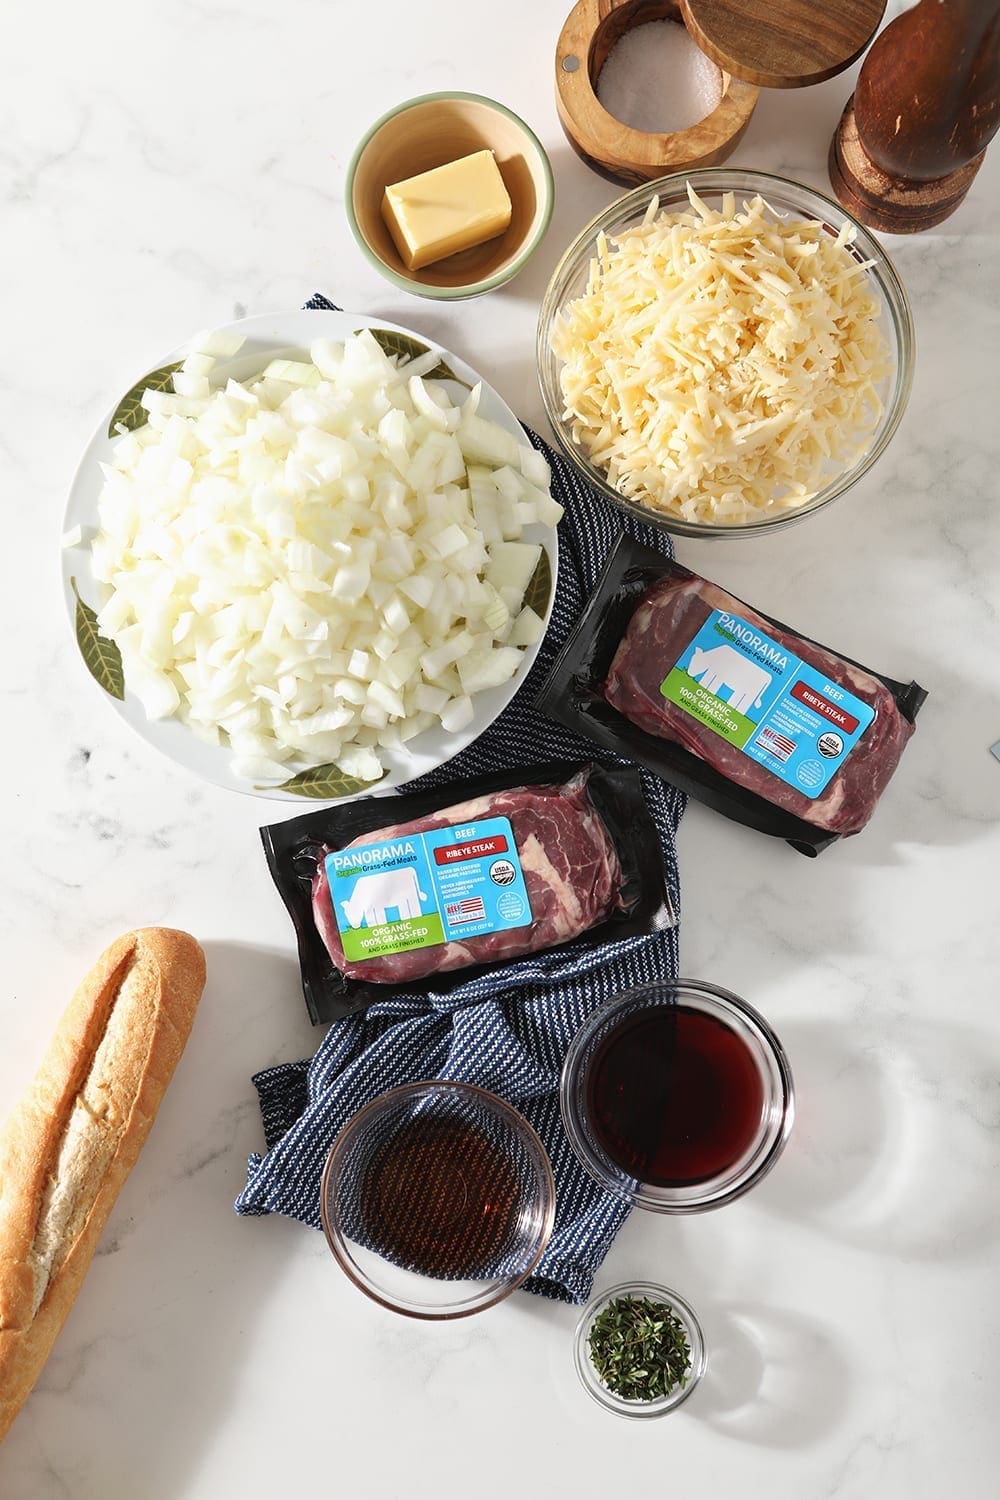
(267,336)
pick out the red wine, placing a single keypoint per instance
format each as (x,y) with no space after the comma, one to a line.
(442,1198)
(674,1096)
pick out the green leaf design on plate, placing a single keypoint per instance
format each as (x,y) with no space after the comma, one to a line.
(539,590)
(401,344)
(325,783)
(130,412)
(103,659)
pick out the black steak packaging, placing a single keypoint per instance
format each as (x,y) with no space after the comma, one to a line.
(764,725)
(521,872)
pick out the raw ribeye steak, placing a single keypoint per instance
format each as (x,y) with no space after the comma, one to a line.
(570,867)
(667,619)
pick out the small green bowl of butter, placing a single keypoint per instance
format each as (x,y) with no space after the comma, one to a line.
(476,140)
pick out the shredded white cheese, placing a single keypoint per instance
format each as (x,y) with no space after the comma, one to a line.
(722,365)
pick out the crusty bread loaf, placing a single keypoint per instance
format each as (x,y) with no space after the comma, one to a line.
(72,1140)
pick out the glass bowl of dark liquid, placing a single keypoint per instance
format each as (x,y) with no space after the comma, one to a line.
(677,1096)
(437,1199)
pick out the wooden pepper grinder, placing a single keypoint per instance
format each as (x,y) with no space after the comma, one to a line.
(927,104)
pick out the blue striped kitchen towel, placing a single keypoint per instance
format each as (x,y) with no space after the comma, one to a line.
(506,1032)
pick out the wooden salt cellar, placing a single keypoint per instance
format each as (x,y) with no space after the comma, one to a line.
(782,44)
(606,144)
(927,104)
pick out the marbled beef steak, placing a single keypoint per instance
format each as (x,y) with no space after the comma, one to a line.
(668,616)
(570,867)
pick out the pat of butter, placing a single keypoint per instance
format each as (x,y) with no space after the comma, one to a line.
(448,209)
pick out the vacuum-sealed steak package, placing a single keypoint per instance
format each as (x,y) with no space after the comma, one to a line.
(418,890)
(763,724)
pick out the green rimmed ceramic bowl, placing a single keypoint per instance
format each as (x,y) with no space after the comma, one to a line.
(424,133)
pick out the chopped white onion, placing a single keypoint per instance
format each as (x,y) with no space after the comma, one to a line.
(321,563)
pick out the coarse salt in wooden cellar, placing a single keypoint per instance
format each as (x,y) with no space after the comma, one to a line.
(639,104)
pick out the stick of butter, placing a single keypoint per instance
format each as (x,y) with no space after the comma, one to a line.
(448,209)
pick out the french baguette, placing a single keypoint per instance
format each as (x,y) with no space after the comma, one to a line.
(70,1143)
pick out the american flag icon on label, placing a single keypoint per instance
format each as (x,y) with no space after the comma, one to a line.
(778,745)
(470,910)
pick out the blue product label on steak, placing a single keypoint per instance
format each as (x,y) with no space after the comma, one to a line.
(767,702)
(418,889)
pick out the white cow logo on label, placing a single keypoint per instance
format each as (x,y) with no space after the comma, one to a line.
(723,667)
(383,891)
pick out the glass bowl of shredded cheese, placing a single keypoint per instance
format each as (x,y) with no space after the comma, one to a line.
(724,352)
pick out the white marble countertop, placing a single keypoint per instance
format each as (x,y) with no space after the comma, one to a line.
(163,169)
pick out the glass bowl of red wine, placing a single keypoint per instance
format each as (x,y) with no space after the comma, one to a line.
(677,1096)
(437,1199)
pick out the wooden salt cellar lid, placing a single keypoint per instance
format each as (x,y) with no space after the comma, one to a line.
(782,44)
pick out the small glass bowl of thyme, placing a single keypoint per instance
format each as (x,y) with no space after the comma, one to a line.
(639,1349)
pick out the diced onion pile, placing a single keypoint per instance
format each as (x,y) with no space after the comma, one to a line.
(722,365)
(314,566)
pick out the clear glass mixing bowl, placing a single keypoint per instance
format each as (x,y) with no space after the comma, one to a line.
(785,197)
(437,1199)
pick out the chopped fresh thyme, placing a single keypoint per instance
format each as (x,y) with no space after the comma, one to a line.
(639,1348)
